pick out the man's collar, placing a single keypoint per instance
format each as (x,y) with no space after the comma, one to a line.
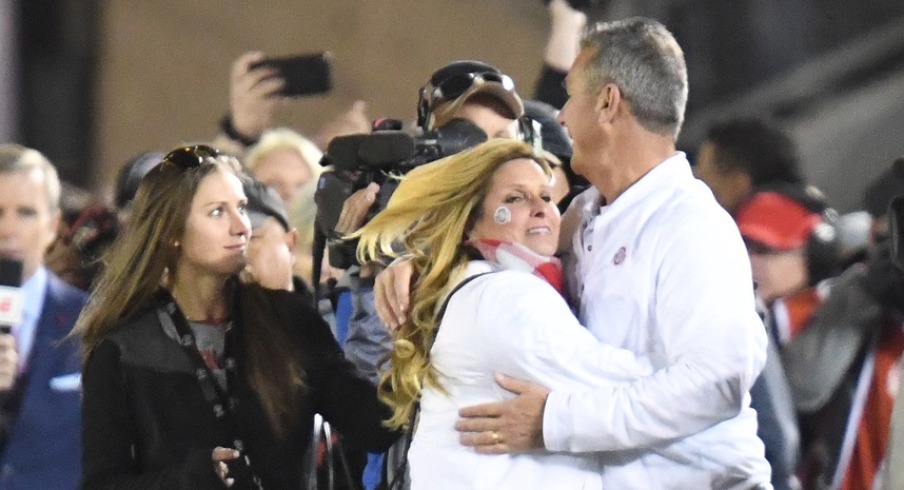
(36,284)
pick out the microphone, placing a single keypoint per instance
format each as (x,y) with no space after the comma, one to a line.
(11,298)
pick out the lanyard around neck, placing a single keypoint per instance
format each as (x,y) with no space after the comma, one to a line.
(222,402)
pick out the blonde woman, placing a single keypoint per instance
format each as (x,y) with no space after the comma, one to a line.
(482,228)
(290,163)
(286,161)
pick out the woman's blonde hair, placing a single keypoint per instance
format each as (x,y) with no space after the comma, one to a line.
(280,138)
(428,216)
(302,209)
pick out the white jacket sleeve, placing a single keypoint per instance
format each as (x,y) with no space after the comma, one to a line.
(529,332)
(714,346)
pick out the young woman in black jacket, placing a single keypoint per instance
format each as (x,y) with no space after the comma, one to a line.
(193,380)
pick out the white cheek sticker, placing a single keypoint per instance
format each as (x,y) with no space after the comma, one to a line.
(502,216)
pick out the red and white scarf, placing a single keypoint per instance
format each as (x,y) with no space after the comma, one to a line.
(515,256)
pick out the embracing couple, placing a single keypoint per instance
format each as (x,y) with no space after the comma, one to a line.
(649,386)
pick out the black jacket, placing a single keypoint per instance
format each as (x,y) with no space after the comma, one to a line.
(147,425)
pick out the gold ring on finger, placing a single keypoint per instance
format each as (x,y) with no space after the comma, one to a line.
(497,439)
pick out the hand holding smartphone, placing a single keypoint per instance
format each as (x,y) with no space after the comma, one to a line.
(307,74)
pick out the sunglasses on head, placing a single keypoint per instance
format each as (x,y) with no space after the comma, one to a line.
(188,157)
(454,86)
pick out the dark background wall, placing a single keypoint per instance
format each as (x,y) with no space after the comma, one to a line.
(164,65)
(96,82)
(55,69)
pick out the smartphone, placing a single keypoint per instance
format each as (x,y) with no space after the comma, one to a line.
(307,74)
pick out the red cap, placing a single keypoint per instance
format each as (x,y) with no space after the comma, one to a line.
(776,221)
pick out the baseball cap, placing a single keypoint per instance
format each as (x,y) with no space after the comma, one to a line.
(776,221)
(263,203)
(460,80)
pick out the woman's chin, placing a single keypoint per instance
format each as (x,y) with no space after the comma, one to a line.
(542,247)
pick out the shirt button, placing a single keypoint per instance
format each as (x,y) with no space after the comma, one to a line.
(589,248)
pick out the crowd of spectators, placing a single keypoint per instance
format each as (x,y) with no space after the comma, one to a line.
(831,298)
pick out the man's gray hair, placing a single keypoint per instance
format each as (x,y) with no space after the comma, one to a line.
(17,158)
(641,57)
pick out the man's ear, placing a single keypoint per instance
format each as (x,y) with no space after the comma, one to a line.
(291,239)
(608,102)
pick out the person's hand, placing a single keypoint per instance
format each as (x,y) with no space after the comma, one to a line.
(254,95)
(565,32)
(355,208)
(9,361)
(270,256)
(352,121)
(511,426)
(220,456)
(562,15)
(392,292)
(370,269)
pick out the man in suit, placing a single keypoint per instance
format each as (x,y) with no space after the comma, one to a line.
(40,426)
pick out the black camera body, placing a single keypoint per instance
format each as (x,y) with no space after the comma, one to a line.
(381,156)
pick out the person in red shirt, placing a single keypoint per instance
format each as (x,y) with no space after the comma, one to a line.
(844,369)
(793,254)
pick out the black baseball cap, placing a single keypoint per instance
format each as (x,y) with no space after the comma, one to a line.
(459,80)
(555,138)
(263,203)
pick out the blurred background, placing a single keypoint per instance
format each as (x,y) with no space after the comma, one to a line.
(91,82)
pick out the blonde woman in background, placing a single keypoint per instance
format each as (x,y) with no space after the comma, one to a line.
(286,161)
(290,163)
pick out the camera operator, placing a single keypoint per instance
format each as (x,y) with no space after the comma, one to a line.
(844,368)
(460,91)
(468,90)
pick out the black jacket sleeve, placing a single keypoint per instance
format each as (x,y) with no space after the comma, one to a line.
(344,396)
(108,445)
